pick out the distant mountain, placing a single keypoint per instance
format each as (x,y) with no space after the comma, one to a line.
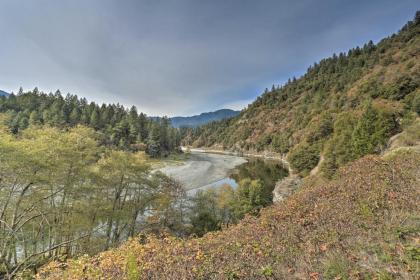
(3,93)
(203,118)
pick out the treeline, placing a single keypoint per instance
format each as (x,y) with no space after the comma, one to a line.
(118,126)
(344,107)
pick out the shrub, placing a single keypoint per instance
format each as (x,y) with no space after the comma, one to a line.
(304,158)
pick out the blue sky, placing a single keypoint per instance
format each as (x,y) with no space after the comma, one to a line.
(180,57)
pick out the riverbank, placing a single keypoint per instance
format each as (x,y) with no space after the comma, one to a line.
(283,188)
(201,169)
(264,155)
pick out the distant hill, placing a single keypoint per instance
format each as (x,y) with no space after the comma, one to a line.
(3,93)
(194,121)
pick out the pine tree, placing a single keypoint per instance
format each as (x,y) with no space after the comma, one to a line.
(143,127)
(35,118)
(94,119)
(133,124)
(153,140)
(74,117)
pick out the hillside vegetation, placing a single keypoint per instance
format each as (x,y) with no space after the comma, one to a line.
(344,107)
(364,225)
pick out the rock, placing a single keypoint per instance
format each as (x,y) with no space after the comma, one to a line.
(285,187)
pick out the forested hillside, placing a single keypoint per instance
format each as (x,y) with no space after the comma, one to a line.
(344,107)
(118,126)
(203,118)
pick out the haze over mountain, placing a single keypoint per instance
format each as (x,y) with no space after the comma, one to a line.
(203,118)
(3,93)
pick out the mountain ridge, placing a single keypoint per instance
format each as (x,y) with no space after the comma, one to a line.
(203,118)
(3,93)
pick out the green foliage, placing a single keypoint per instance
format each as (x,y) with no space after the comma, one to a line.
(281,143)
(63,193)
(119,127)
(204,213)
(416,103)
(372,131)
(355,137)
(267,271)
(269,172)
(213,209)
(336,268)
(322,129)
(339,150)
(304,158)
(249,197)
(133,272)
(362,137)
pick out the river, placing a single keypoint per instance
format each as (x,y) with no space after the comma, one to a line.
(208,170)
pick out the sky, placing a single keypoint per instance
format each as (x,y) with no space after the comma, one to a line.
(180,57)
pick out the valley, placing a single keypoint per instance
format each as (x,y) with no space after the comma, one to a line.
(317,178)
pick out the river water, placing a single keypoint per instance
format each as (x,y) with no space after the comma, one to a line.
(202,171)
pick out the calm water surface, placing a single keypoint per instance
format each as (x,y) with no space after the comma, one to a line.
(268,171)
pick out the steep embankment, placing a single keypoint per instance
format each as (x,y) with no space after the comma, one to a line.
(363,225)
(344,107)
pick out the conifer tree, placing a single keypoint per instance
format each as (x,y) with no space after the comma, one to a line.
(94,119)
(35,118)
(362,137)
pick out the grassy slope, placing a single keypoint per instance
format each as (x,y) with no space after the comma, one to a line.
(363,224)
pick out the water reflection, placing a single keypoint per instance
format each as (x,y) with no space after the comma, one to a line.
(268,171)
